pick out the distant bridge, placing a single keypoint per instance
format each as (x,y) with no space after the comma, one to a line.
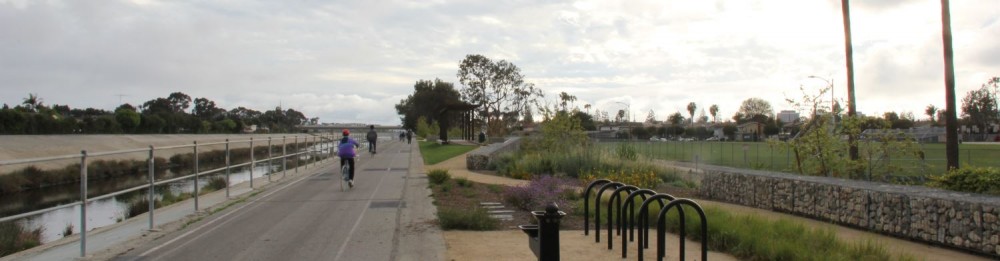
(354,127)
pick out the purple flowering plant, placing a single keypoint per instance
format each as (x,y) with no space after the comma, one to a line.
(542,190)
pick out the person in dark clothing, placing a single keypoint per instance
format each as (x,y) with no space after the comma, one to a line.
(372,137)
(409,136)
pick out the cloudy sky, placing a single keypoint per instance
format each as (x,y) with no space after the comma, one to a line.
(351,61)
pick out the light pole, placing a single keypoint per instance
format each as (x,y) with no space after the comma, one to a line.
(830,83)
(833,116)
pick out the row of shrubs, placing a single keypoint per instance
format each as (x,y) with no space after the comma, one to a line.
(476,219)
(622,163)
(974,179)
(32,177)
(750,237)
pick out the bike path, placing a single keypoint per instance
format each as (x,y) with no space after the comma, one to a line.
(302,217)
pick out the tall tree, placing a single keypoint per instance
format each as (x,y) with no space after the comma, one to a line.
(157,106)
(980,108)
(32,103)
(754,109)
(651,117)
(931,111)
(714,110)
(179,102)
(205,109)
(127,118)
(244,117)
(427,101)
(691,108)
(676,119)
(497,86)
(586,121)
(565,100)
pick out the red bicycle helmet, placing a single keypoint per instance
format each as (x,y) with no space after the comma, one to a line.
(346,132)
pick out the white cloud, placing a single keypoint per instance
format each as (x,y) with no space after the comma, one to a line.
(351,61)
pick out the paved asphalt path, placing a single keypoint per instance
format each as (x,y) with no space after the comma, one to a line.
(306,219)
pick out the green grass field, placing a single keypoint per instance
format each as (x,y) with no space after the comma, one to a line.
(434,153)
(761,155)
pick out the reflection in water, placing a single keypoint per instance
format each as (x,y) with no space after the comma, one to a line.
(109,211)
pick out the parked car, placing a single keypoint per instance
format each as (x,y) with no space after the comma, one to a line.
(712,139)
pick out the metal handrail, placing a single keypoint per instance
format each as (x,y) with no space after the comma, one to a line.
(89,154)
(84,155)
(33,160)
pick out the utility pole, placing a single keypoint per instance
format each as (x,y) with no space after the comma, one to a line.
(951,122)
(849,52)
(120,98)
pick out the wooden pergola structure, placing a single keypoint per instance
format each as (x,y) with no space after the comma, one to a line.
(466,122)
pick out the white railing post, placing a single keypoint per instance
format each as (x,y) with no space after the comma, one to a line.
(284,158)
(227,169)
(270,158)
(308,151)
(152,188)
(298,155)
(83,203)
(196,176)
(251,163)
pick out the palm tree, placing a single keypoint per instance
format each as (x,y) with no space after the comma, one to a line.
(931,111)
(32,102)
(691,107)
(714,110)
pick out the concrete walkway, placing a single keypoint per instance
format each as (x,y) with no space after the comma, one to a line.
(403,232)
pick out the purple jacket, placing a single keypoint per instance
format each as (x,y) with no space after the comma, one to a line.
(346,148)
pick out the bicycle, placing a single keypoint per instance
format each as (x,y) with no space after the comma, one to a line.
(345,173)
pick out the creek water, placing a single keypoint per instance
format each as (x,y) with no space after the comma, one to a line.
(115,209)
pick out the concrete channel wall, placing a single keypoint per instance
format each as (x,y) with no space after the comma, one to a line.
(960,220)
(479,159)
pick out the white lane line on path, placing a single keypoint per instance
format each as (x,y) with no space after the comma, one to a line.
(360,217)
(236,210)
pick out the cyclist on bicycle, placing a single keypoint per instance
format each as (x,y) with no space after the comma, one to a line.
(372,136)
(346,152)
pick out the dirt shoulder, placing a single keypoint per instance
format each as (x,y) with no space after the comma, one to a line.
(512,244)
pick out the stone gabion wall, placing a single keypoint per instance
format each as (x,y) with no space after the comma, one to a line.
(960,220)
(479,159)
